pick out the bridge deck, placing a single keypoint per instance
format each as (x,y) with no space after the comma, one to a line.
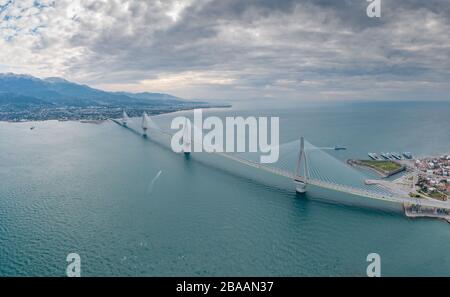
(390,197)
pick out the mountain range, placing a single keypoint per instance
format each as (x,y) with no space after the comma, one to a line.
(24,97)
(25,89)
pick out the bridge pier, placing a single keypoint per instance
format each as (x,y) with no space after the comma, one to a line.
(125,119)
(300,185)
(301,181)
(187,138)
(187,150)
(145,124)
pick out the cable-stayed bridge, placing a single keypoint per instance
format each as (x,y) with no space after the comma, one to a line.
(301,162)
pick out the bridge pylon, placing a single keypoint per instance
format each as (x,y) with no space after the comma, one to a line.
(145,124)
(187,137)
(301,179)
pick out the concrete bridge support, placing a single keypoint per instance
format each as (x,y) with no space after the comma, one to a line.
(301,180)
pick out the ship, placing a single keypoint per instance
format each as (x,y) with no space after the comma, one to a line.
(400,156)
(408,155)
(340,148)
(397,156)
(389,156)
(374,156)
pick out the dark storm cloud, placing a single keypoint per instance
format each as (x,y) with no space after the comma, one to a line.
(258,47)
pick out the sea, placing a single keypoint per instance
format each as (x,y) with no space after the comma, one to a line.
(129,206)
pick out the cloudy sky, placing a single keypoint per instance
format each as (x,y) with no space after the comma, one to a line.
(230,49)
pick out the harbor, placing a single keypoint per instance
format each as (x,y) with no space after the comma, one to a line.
(425,179)
(418,211)
(391,156)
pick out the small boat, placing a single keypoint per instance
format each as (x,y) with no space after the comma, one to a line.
(339,148)
(407,155)
(32,128)
(374,156)
(398,156)
(389,156)
(395,156)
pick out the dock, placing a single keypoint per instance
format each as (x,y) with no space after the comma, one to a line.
(420,211)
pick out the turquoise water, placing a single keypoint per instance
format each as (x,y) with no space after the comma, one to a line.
(129,206)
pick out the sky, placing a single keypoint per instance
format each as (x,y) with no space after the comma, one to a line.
(235,50)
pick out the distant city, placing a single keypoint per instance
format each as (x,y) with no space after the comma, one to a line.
(27,98)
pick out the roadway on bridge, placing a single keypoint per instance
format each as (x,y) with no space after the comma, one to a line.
(316,177)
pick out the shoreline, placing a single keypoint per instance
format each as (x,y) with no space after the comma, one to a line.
(100,121)
(414,215)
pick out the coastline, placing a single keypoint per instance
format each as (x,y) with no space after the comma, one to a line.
(102,120)
(414,215)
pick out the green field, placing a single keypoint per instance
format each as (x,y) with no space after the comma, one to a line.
(387,165)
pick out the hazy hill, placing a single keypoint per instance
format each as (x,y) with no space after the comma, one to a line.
(60,92)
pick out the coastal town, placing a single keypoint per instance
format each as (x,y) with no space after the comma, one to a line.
(419,179)
(90,113)
(433,177)
(423,177)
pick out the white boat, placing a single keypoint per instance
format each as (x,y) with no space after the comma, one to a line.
(389,156)
(374,156)
(396,156)
(407,155)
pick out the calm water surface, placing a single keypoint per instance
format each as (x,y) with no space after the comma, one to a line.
(95,190)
